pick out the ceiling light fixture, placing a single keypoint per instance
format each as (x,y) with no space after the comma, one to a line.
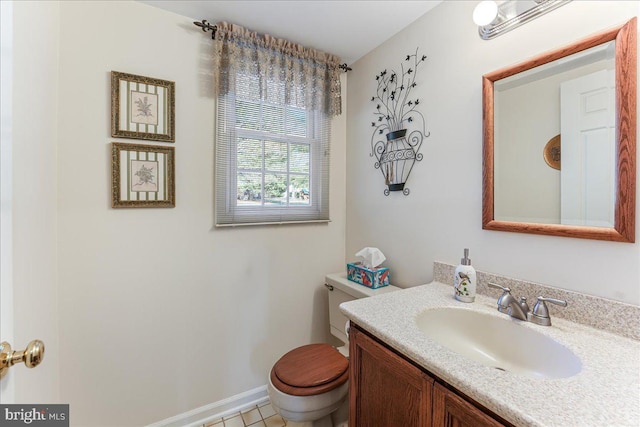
(485,12)
(493,19)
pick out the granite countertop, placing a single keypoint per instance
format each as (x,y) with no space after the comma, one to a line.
(606,392)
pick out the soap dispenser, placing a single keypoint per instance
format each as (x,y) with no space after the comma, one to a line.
(464,280)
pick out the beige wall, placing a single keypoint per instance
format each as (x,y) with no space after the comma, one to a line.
(159,313)
(442,215)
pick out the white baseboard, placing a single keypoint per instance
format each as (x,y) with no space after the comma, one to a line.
(204,414)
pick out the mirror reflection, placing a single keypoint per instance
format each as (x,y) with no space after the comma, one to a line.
(554,141)
(564,162)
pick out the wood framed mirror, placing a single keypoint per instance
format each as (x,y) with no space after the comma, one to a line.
(596,205)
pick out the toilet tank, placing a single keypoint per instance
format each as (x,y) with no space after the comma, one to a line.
(343,290)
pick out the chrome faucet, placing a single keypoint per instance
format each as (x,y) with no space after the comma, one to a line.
(520,309)
(509,305)
(540,313)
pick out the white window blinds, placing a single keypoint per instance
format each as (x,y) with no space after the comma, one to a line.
(272,132)
(272,159)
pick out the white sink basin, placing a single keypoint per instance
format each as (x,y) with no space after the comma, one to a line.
(498,343)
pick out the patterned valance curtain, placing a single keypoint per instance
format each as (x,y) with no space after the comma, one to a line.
(315,75)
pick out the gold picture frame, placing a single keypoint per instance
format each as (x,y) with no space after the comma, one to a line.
(142,176)
(142,107)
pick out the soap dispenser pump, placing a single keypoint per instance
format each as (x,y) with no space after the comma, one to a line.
(464,280)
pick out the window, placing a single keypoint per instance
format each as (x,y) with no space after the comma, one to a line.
(275,103)
(272,156)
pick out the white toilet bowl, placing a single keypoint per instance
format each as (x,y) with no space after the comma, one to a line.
(309,384)
(307,408)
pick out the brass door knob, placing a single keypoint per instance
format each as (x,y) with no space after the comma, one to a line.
(31,356)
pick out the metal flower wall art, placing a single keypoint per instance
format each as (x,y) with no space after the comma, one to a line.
(400,128)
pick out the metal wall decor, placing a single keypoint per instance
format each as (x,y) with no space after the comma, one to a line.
(399,129)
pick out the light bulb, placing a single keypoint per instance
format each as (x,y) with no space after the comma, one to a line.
(485,12)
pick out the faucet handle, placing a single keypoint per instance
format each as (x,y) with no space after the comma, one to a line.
(504,288)
(552,301)
(506,293)
(540,313)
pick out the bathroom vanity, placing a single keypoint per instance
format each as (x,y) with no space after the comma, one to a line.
(411,396)
(401,376)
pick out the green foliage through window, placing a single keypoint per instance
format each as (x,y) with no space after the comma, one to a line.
(273,147)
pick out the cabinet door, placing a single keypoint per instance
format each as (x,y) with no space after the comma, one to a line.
(385,390)
(450,410)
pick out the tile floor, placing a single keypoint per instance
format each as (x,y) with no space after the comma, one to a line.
(258,416)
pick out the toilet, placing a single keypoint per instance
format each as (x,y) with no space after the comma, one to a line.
(309,384)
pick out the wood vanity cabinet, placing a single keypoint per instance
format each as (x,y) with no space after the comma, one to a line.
(451,410)
(384,389)
(387,390)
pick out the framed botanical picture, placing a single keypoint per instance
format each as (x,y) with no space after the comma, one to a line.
(142,107)
(142,176)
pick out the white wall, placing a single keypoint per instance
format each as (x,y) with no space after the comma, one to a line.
(161,313)
(442,215)
(526,188)
(34,214)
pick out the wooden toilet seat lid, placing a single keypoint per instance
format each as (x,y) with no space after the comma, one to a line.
(311,365)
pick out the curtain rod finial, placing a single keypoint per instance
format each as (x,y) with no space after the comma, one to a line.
(207,27)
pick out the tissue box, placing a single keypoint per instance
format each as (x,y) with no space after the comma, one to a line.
(371,278)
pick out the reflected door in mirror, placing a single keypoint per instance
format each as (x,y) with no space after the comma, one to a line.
(587,122)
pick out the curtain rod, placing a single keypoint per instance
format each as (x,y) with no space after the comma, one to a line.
(208,27)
